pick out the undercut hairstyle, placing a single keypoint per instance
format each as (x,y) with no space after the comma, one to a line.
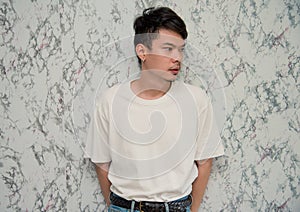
(152,20)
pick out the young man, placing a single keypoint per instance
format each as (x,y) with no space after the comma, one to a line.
(153,138)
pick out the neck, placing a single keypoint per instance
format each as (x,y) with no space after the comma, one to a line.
(150,86)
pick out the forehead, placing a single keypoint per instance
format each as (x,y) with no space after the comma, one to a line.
(168,36)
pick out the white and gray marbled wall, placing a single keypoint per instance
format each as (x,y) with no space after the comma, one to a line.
(55,55)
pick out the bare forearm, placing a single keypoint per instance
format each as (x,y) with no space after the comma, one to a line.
(199,185)
(104,182)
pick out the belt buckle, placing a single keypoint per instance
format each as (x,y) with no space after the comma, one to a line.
(140,206)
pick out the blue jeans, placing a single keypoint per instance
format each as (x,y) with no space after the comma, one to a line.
(114,208)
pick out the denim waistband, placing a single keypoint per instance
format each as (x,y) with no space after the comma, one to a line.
(176,205)
(182,198)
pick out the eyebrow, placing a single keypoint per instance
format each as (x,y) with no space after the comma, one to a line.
(173,45)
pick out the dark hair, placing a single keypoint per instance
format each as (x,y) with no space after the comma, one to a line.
(154,19)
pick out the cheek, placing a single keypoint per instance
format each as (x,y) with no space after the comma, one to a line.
(162,63)
(158,59)
(164,54)
(162,59)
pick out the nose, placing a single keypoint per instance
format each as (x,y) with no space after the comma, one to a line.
(177,55)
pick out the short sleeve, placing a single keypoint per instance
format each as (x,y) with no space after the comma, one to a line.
(96,147)
(209,143)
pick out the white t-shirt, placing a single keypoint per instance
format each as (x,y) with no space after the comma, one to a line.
(152,144)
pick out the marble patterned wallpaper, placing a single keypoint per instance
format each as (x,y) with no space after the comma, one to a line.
(56,55)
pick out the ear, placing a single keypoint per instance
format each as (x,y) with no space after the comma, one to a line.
(140,50)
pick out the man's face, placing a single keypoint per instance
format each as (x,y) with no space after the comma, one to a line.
(165,56)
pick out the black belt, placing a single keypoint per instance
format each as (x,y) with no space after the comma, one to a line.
(174,206)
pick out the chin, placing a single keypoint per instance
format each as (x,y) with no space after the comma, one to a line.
(172,79)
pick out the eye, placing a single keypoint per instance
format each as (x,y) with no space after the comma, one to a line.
(168,49)
(181,50)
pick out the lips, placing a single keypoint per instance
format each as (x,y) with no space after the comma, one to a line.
(174,71)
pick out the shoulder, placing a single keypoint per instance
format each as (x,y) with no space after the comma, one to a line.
(198,93)
(196,90)
(106,95)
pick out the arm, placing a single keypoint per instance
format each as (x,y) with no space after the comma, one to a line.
(102,174)
(199,185)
